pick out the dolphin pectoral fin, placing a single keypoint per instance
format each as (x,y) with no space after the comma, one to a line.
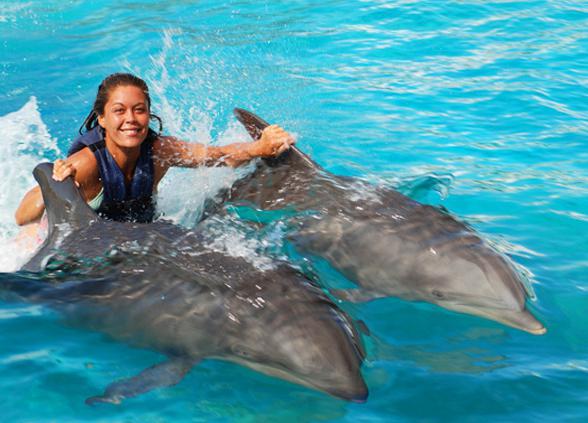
(357,295)
(160,375)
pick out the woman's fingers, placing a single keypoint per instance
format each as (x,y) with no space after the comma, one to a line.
(62,169)
(285,146)
(278,140)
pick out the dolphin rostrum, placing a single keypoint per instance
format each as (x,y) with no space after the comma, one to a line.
(383,241)
(158,286)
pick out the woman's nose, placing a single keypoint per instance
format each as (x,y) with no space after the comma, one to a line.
(130,116)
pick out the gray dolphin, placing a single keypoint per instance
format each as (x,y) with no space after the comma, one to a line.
(382,240)
(157,286)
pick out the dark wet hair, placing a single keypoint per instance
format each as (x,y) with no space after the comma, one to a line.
(109,83)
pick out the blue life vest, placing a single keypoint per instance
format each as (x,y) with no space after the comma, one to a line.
(132,203)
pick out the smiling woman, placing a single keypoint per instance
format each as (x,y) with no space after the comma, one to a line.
(118,161)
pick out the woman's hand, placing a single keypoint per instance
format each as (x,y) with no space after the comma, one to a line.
(273,142)
(62,169)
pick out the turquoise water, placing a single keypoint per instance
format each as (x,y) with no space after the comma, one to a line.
(478,106)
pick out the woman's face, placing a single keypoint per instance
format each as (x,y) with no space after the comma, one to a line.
(126,116)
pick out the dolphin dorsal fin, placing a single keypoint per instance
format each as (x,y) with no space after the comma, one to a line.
(63,201)
(255,126)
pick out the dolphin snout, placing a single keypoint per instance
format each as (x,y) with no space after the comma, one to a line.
(350,387)
(358,393)
(518,319)
(523,320)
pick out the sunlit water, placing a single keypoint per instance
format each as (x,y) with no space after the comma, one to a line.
(478,106)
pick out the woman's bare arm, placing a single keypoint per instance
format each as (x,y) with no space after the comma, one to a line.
(31,207)
(173,152)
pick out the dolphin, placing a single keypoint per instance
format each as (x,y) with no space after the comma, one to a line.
(383,241)
(159,286)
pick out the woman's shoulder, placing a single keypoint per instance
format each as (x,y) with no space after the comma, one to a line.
(85,164)
(85,156)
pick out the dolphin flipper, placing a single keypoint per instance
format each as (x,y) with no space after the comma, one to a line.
(160,375)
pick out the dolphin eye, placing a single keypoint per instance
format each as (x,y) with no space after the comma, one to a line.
(241,352)
(437,294)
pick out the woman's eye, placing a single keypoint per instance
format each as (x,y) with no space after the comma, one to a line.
(118,111)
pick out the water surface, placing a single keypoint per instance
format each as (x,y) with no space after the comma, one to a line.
(478,106)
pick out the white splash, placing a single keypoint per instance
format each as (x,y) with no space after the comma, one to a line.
(183,193)
(225,237)
(25,142)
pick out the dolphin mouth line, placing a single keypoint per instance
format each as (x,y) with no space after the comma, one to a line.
(300,378)
(518,319)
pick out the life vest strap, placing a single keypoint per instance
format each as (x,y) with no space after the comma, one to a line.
(97,146)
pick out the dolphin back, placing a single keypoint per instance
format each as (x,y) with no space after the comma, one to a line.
(63,201)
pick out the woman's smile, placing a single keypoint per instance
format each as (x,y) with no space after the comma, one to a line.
(133,132)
